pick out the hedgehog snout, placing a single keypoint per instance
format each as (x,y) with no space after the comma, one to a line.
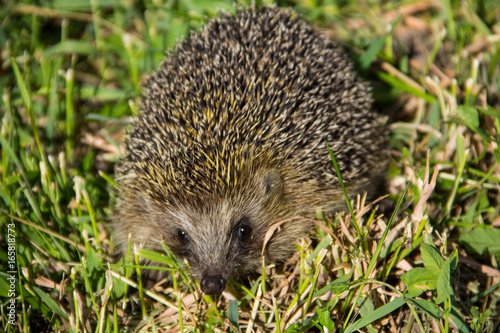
(212,284)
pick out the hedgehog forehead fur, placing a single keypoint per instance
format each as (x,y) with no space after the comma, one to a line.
(233,126)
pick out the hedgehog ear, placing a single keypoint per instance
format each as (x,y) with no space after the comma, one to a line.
(273,183)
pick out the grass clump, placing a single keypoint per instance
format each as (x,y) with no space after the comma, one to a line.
(423,259)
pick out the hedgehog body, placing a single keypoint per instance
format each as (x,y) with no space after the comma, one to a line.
(230,142)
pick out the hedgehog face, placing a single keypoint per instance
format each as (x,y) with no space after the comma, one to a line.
(220,252)
(223,238)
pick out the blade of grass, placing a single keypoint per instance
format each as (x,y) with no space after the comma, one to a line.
(380,312)
(26,98)
(25,183)
(346,196)
(376,255)
(462,154)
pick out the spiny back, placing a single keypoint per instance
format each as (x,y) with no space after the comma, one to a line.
(261,88)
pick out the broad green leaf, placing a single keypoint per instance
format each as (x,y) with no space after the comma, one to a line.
(233,313)
(324,319)
(119,287)
(431,257)
(418,280)
(434,115)
(469,116)
(444,288)
(482,240)
(92,261)
(452,260)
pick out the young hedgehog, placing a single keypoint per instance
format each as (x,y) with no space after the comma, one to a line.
(231,141)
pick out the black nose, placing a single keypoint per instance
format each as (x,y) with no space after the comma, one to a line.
(212,284)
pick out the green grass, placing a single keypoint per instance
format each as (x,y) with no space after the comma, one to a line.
(69,75)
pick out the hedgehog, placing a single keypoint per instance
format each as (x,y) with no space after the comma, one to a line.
(228,160)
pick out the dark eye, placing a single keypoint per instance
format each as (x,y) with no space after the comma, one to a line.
(243,231)
(182,235)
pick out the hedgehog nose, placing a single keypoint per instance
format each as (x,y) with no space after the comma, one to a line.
(212,284)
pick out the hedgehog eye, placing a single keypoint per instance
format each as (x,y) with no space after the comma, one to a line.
(182,235)
(243,231)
